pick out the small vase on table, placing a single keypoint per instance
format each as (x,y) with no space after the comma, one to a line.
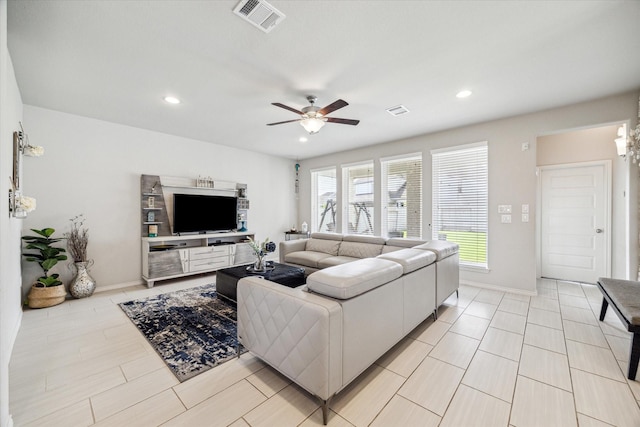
(259,265)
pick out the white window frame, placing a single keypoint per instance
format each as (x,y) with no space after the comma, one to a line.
(314,198)
(480,220)
(346,203)
(384,196)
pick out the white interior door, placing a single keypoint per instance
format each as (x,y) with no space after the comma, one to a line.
(575,223)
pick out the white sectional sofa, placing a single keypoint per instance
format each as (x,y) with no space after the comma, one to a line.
(326,333)
(324,250)
(357,304)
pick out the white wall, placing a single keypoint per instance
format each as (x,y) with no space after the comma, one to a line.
(512,180)
(10,295)
(93,167)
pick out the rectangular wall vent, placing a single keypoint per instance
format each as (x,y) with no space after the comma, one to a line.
(398,110)
(259,13)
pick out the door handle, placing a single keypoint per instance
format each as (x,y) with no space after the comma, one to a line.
(599,230)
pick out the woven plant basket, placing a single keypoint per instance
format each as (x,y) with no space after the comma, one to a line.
(41,297)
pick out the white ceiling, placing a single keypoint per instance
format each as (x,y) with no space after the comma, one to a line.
(116,60)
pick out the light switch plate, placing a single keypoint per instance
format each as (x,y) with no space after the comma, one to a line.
(504,209)
(525,217)
(525,208)
(506,219)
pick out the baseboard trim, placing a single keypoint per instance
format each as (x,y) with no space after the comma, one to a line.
(499,288)
(116,286)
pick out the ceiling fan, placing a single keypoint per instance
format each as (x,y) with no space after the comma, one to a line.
(313,118)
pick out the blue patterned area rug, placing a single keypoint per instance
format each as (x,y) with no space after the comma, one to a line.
(192,330)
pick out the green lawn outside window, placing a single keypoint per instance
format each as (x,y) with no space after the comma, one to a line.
(473,246)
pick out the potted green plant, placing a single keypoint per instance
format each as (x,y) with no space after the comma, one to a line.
(48,289)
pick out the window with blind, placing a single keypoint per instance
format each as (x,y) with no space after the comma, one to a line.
(460,200)
(402,196)
(359,215)
(323,200)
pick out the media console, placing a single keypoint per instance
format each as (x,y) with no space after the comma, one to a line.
(168,257)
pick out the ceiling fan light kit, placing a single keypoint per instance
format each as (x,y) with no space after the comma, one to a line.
(312,124)
(313,118)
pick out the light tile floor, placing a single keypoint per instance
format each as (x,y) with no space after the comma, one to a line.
(491,359)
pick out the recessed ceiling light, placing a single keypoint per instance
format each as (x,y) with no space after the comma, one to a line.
(464,94)
(172,100)
(303,139)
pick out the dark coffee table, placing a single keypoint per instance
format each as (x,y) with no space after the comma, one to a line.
(286,275)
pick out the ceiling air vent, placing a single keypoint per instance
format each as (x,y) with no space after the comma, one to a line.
(398,110)
(259,14)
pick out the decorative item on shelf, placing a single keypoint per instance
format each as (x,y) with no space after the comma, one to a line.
(242,222)
(151,216)
(153,189)
(151,201)
(261,250)
(304,228)
(25,146)
(82,284)
(153,230)
(48,290)
(205,182)
(19,204)
(629,146)
(243,204)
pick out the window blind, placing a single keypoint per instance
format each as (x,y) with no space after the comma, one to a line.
(460,200)
(402,196)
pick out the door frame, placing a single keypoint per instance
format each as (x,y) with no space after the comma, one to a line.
(608,208)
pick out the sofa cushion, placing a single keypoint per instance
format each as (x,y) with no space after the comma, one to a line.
(320,245)
(359,250)
(386,249)
(363,238)
(327,236)
(336,260)
(411,259)
(405,242)
(441,248)
(306,258)
(354,278)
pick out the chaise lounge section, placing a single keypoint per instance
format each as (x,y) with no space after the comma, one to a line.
(326,333)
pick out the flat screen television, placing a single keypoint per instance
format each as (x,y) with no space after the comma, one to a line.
(200,213)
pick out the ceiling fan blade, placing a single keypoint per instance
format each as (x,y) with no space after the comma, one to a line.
(277,104)
(342,121)
(279,123)
(333,107)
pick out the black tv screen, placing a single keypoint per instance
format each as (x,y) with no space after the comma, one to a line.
(199,213)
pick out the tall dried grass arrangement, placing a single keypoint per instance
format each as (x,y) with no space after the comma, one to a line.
(77,239)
